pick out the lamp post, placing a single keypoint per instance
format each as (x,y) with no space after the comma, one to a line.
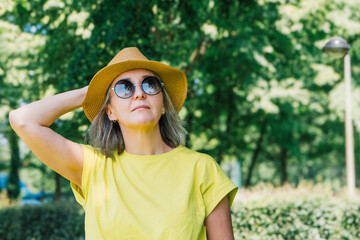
(337,47)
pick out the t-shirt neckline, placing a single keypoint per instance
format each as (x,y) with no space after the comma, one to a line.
(127,155)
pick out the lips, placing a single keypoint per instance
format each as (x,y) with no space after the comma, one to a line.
(141,107)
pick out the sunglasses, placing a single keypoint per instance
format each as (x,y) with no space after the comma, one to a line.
(124,88)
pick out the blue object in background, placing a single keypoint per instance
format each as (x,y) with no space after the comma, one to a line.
(28,198)
(233,171)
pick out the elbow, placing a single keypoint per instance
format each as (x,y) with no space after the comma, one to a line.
(15,120)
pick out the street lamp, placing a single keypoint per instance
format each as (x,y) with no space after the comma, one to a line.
(337,47)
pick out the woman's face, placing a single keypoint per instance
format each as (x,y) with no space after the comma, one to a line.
(138,111)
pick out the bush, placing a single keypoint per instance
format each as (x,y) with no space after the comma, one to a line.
(52,221)
(265,213)
(303,213)
(297,220)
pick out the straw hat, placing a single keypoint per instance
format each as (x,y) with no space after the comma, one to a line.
(175,82)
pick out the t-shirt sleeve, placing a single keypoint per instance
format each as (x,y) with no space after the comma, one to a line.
(81,193)
(215,185)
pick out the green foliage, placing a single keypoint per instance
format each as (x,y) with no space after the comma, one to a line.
(300,219)
(351,220)
(260,89)
(13,183)
(320,211)
(60,220)
(303,218)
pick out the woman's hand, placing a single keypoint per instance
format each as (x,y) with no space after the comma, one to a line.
(31,123)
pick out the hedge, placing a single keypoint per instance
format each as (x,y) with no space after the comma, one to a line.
(320,218)
(52,221)
(300,219)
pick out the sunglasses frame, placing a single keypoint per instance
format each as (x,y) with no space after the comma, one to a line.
(141,84)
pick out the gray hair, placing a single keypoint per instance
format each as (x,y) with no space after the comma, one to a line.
(106,135)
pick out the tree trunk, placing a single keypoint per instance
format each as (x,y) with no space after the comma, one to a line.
(220,156)
(195,57)
(228,125)
(58,186)
(13,183)
(256,153)
(189,122)
(283,159)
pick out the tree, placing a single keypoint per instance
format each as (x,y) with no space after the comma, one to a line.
(260,90)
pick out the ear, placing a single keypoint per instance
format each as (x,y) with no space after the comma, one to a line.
(163,110)
(110,113)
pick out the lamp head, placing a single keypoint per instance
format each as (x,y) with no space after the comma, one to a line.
(336,47)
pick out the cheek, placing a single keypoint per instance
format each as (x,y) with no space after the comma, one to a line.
(161,107)
(119,108)
(162,101)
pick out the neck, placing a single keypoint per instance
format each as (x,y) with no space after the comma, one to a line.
(144,141)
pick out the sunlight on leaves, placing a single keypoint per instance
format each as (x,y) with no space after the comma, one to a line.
(6,6)
(262,60)
(53,4)
(325,74)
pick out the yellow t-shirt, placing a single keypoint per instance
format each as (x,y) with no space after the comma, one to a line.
(155,197)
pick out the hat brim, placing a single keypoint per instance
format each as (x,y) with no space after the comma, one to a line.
(174,80)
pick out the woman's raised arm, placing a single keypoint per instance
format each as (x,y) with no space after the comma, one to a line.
(31,123)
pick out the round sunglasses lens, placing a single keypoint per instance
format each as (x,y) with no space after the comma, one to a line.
(151,85)
(124,89)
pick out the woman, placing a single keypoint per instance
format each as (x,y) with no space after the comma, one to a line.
(135,180)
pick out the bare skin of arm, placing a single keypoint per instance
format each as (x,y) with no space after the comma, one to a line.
(218,223)
(31,123)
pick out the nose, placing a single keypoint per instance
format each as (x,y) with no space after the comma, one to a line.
(139,93)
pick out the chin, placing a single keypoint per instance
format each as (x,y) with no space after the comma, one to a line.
(141,122)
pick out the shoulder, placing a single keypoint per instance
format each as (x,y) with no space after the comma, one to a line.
(192,153)
(197,157)
(92,154)
(91,150)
